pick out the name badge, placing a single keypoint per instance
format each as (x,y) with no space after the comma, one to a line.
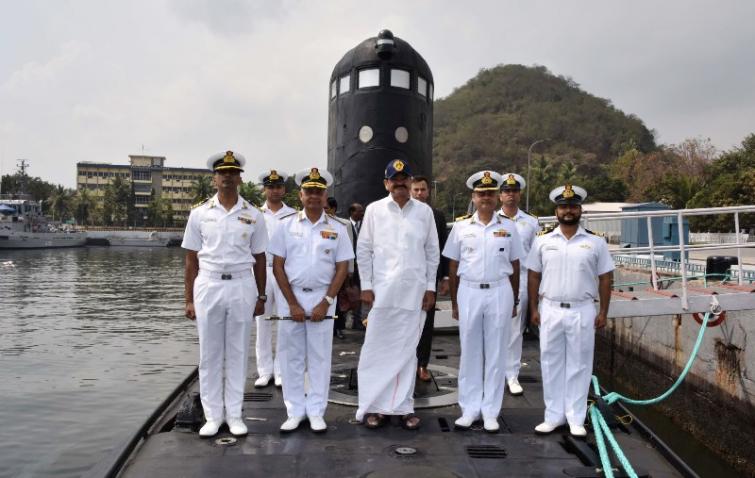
(585,246)
(330,235)
(501,233)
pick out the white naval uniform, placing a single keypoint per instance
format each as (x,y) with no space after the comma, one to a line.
(225,294)
(568,290)
(311,252)
(485,301)
(397,256)
(527,227)
(263,346)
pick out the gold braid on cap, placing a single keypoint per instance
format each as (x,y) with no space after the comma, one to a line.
(568,192)
(228,158)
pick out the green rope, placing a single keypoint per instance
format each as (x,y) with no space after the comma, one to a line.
(600,427)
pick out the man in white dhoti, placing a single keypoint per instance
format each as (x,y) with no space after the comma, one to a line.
(527,226)
(225,243)
(397,255)
(312,251)
(569,268)
(484,251)
(274,184)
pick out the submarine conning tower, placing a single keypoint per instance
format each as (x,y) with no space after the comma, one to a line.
(380,108)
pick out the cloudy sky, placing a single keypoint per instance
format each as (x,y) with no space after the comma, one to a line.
(98,80)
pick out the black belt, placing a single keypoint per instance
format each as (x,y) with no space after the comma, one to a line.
(226,276)
(484,286)
(564,305)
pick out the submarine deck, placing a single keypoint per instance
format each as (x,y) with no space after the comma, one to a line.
(350,449)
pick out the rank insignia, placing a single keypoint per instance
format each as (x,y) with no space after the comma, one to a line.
(501,233)
(330,235)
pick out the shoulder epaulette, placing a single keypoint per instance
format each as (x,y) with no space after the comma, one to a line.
(548,229)
(287,215)
(590,232)
(461,218)
(200,203)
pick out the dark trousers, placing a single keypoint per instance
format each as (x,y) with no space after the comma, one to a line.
(426,340)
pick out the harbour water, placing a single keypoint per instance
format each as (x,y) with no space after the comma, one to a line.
(92,341)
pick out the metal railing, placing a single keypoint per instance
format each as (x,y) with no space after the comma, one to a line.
(681,247)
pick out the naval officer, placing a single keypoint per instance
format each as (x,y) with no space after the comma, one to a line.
(225,242)
(274,188)
(398,256)
(527,227)
(484,251)
(311,253)
(569,268)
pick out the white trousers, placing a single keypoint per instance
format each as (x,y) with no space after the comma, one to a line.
(305,346)
(224,311)
(484,323)
(518,324)
(266,330)
(388,361)
(567,342)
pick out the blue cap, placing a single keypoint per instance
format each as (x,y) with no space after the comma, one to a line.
(396,166)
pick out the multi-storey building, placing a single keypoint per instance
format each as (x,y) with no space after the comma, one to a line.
(147,174)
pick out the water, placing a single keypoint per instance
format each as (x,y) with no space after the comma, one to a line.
(93,339)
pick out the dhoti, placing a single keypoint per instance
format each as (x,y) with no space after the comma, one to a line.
(224,311)
(305,346)
(388,361)
(484,322)
(266,365)
(567,342)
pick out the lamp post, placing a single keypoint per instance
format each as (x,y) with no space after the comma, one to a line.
(529,160)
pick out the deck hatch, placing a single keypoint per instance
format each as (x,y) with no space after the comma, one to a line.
(258,397)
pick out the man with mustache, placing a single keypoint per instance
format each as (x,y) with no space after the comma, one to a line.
(397,255)
(225,243)
(569,268)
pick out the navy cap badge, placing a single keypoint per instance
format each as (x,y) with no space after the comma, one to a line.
(228,158)
(314,174)
(486,179)
(568,192)
(398,165)
(511,180)
(273,175)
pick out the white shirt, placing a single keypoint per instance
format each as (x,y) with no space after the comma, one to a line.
(484,251)
(398,253)
(272,219)
(311,249)
(570,268)
(225,240)
(527,227)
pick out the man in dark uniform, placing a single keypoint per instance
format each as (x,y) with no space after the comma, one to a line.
(421,192)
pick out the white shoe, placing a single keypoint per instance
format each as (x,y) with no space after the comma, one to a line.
(577,431)
(278,381)
(263,381)
(291,424)
(515,388)
(545,427)
(317,424)
(491,425)
(236,426)
(210,429)
(464,422)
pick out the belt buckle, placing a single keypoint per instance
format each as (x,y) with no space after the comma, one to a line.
(306,289)
(226,276)
(484,286)
(565,305)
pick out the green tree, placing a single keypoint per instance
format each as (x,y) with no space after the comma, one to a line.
(60,203)
(159,212)
(85,207)
(202,188)
(116,202)
(252,193)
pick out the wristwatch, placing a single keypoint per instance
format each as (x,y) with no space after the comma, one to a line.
(262,297)
(329,300)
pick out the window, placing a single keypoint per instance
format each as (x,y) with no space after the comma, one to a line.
(343,84)
(430,93)
(369,78)
(421,86)
(333,89)
(400,79)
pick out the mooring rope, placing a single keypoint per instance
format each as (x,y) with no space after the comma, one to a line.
(600,427)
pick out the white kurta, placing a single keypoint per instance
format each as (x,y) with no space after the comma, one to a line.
(226,242)
(485,301)
(568,290)
(527,227)
(311,252)
(397,256)
(266,365)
